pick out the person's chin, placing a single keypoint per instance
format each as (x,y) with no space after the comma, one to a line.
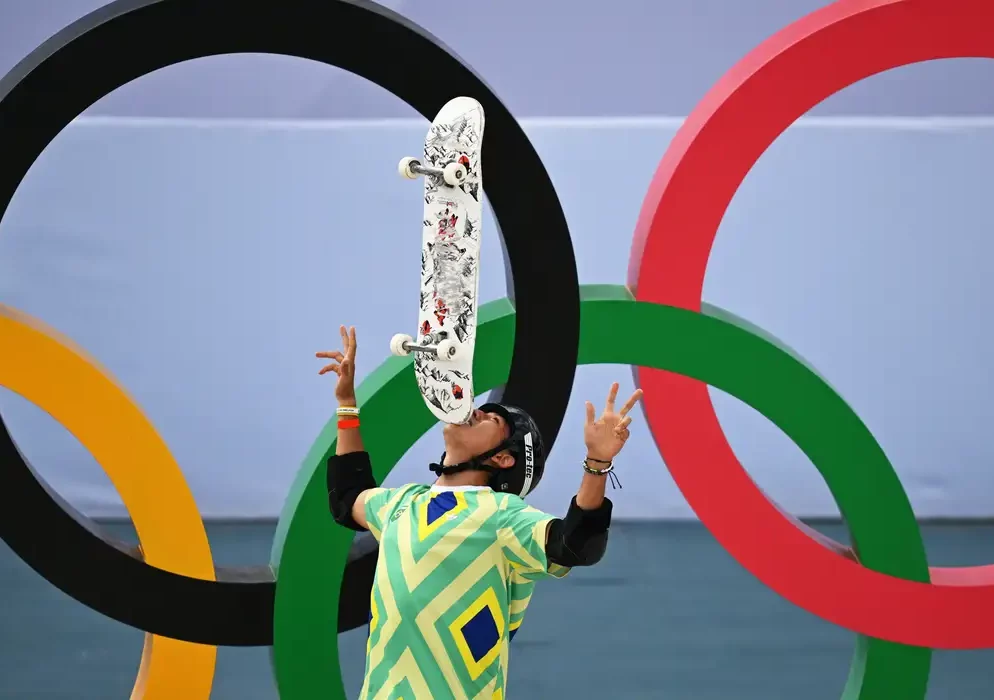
(453,429)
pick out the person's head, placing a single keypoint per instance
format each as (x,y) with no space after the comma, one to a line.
(500,442)
(485,430)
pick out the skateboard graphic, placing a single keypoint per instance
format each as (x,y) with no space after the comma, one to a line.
(450,257)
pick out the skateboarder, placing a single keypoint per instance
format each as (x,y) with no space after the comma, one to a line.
(458,558)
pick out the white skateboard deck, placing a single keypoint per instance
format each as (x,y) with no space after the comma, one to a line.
(450,256)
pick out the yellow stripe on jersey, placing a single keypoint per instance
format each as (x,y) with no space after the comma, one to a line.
(380,506)
(524,560)
(518,606)
(488,692)
(523,538)
(374,614)
(417,570)
(406,669)
(391,615)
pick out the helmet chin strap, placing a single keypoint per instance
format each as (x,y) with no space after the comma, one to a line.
(478,463)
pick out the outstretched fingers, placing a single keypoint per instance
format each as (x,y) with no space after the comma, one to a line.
(590,414)
(343,359)
(334,367)
(349,342)
(630,404)
(611,396)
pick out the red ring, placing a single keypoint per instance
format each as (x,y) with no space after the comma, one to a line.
(721,140)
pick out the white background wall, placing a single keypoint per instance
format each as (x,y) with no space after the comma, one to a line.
(204,262)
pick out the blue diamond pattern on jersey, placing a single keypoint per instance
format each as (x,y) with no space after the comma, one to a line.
(440,504)
(480,634)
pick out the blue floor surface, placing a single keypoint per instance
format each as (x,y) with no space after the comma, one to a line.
(668,615)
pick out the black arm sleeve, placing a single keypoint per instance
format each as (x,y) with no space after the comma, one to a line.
(579,539)
(348,476)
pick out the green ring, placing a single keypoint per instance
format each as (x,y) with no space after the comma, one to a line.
(310,550)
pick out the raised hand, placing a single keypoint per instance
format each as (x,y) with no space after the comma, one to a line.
(343,366)
(605,436)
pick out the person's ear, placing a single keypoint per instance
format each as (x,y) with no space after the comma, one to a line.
(504,459)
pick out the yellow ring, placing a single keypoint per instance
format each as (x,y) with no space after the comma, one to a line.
(52,372)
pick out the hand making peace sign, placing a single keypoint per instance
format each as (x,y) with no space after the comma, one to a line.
(605,436)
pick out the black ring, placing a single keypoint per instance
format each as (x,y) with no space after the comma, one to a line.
(131,38)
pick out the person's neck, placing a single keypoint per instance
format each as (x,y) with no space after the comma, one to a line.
(467,478)
(470,477)
(454,456)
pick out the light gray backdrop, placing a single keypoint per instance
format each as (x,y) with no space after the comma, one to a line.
(204,230)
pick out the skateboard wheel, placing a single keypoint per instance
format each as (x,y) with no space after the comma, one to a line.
(404,168)
(397,344)
(454,173)
(447,349)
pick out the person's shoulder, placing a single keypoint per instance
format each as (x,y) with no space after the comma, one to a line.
(407,490)
(391,500)
(509,501)
(399,493)
(511,505)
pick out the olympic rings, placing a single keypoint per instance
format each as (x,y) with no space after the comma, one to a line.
(71,71)
(91,406)
(310,549)
(662,334)
(753,104)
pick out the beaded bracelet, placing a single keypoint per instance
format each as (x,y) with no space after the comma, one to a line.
(608,470)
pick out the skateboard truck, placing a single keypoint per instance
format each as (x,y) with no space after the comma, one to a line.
(444,348)
(453,174)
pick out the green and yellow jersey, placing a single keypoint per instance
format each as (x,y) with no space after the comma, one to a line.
(455,573)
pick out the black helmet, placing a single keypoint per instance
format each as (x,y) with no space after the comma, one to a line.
(525,445)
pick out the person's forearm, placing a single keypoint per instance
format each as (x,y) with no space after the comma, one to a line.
(350,438)
(590,495)
(350,473)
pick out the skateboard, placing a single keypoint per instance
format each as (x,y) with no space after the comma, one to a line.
(450,259)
